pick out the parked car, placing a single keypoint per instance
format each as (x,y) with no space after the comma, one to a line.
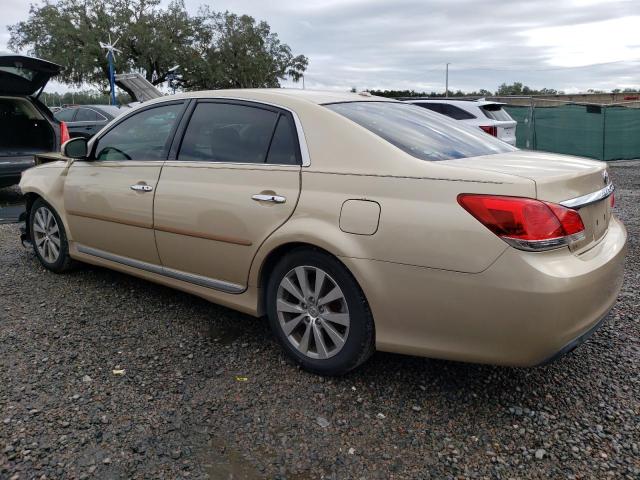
(354,223)
(87,120)
(486,115)
(27,127)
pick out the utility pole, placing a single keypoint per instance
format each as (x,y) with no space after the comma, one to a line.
(446,88)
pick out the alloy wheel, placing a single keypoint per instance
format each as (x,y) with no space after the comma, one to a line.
(312,312)
(46,234)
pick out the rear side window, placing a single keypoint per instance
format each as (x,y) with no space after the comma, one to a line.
(457,113)
(496,112)
(434,107)
(142,136)
(284,145)
(86,115)
(420,132)
(224,132)
(65,115)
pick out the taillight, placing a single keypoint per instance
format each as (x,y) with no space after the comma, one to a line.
(525,223)
(612,200)
(490,129)
(64,133)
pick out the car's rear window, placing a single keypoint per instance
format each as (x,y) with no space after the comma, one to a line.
(420,132)
(496,112)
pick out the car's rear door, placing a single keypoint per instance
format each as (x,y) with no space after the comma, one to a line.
(234,179)
(109,200)
(86,123)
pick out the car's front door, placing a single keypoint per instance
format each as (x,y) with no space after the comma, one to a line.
(234,180)
(109,198)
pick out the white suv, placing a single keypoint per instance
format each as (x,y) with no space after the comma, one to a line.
(487,115)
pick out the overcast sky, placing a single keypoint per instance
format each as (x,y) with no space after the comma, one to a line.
(569,45)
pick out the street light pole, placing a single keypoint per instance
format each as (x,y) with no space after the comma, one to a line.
(446,88)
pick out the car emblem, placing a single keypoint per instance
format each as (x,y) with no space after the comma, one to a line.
(605,177)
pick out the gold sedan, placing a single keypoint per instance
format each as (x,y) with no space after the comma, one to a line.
(353,222)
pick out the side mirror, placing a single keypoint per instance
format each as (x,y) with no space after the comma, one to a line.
(75,148)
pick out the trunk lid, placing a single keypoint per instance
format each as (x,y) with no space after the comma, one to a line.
(138,88)
(558,179)
(22,75)
(507,131)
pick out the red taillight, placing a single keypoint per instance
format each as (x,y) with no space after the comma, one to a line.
(612,200)
(64,133)
(525,223)
(491,130)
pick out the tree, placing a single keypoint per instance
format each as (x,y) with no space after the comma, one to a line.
(514,89)
(241,53)
(214,50)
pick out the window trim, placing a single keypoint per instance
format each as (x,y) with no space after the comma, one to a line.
(168,143)
(302,153)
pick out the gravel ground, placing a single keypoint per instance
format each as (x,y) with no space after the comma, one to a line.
(206,392)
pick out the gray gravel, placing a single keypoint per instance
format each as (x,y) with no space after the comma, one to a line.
(203,392)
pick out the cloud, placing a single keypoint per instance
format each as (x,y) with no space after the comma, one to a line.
(569,45)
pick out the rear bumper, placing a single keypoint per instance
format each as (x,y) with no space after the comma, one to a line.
(576,342)
(521,311)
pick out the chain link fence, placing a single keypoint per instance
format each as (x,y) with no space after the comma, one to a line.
(600,131)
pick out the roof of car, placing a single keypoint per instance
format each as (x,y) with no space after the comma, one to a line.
(478,103)
(265,94)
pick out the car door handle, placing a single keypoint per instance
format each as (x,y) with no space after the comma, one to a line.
(141,187)
(261,197)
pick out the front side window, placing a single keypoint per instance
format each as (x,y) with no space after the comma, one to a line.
(419,132)
(226,132)
(142,136)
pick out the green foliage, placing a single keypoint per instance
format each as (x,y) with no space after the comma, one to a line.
(240,53)
(413,94)
(84,97)
(214,50)
(517,88)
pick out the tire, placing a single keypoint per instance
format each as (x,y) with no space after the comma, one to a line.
(48,237)
(327,331)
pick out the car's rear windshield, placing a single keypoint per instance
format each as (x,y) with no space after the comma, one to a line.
(496,112)
(420,132)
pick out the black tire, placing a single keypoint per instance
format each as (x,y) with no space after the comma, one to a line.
(62,261)
(360,340)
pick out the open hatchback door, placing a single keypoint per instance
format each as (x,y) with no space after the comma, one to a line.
(27,126)
(21,75)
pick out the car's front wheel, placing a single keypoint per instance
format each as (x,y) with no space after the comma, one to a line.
(318,313)
(48,237)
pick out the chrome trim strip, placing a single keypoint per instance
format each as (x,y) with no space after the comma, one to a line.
(199,280)
(542,245)
(589,198)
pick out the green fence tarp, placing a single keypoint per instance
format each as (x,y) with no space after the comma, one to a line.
(600,132)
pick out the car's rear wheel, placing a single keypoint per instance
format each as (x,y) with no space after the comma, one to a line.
(318,313)
(48,237)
